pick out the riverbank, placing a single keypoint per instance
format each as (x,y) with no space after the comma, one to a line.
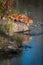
(11,37)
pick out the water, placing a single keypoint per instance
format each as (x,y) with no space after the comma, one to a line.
(32,55)
(28,56)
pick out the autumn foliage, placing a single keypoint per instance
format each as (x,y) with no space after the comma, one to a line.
(22,18)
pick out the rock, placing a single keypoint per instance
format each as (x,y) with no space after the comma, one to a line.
(10,27)
(12,46)
(17,27)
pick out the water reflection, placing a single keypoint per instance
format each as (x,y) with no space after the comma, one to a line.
(26,38)
(5,62)
(13,59)
(28,56)
(31,53)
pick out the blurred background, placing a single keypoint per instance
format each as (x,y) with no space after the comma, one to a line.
(34,54)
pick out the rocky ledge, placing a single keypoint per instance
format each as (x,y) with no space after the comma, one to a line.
(10,27)
(9,40)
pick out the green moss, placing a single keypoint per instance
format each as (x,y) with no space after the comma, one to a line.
(7,28)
